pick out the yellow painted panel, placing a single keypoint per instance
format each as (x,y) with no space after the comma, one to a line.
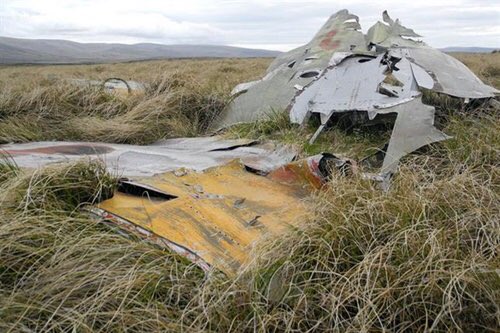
(218,214)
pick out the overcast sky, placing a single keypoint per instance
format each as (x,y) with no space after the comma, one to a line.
(270,24)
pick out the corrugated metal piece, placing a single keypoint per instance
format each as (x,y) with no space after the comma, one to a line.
(166,155)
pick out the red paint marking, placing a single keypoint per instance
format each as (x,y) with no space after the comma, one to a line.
(285,173)
(331,33)
(314,165)
(328,43)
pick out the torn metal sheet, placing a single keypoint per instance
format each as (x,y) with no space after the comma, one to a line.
(391,33)
(413,129)
(166,155)
(297,68)
(341,70)
(450,75)
(356,84)
(217,216)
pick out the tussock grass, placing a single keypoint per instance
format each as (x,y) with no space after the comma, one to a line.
(421,257)
(8,168)
(182,99)
(68,112)
(357,143)
(61,271)
(56,188)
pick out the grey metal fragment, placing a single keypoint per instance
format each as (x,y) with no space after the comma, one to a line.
(111,84)
(381,72)
(355,84)
(391,33)
(203,144)
(450,76)
(340,41)
(135,161)
(338,38)
(413,129)
(424,80)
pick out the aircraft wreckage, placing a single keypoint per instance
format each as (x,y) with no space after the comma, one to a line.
(343,71)
(213,199)
(209,199)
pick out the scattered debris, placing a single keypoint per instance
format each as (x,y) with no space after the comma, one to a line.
(341,70)
(166,155)
(113,85)
(198,188)
(239,203)
(254,221)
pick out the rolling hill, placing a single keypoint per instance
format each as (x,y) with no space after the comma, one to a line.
(51,51)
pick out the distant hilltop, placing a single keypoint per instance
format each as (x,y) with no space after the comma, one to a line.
(471,49)
(52,51)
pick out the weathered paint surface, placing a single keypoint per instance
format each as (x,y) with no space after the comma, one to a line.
(220,214)
(292,70)
(166,155)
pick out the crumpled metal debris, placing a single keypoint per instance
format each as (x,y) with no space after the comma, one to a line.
(166,155)
(341,70)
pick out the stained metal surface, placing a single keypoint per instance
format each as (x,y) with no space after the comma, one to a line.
(220,214)
(163,156)
(297,68)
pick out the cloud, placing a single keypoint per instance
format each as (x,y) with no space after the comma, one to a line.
(104,23)
(267,23)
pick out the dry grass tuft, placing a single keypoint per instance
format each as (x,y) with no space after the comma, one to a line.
(67,112)
(60,187)
(61,271)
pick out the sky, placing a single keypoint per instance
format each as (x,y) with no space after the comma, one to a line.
(268,24)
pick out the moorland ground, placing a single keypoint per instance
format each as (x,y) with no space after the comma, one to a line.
(421,257)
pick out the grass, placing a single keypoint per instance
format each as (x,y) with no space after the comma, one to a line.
(66,112)
(422,257)
(62,271)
